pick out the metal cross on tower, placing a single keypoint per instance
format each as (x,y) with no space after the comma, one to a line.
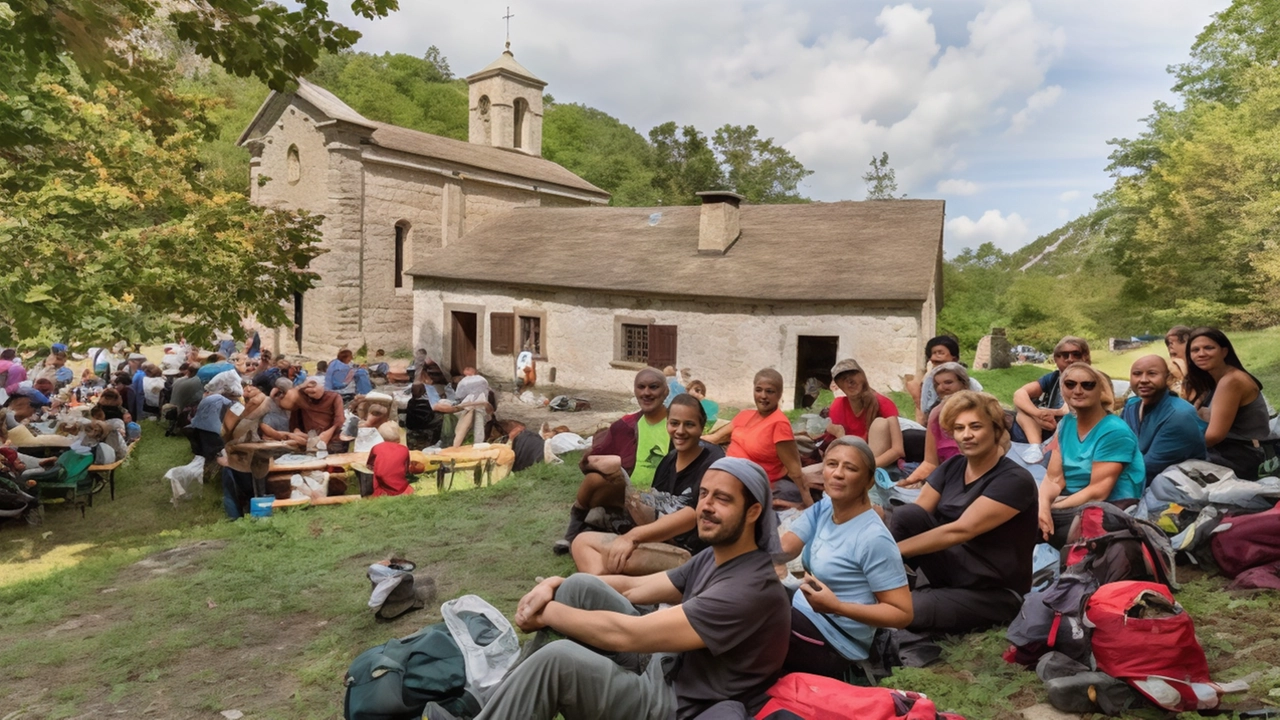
(508,17)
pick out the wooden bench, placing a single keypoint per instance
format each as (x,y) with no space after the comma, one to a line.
(107,473)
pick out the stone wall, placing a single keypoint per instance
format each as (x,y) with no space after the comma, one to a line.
(484,200)
(363,192)
(270,184)
(395,195)
(723,343)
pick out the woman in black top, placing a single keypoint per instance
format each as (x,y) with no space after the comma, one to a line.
(665,514)
(971,532)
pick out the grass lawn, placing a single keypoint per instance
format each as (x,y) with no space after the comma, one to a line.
(264,616)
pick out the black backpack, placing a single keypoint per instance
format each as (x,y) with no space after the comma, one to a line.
(395,681)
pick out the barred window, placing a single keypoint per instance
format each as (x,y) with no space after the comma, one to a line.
(635,343)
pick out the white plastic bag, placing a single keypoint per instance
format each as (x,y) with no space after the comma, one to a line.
(565,442)
(785,519)
(187,480)
(486,664)
(313,485)
(366,438)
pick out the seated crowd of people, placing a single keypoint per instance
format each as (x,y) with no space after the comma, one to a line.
(219,399)
(686,522)
(682,582)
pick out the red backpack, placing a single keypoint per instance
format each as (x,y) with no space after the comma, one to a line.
(1143,636)
(1247,541)
(815,697)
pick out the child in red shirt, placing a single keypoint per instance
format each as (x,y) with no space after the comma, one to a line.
(389,461)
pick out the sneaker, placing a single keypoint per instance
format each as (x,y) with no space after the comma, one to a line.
(562,547)
(1033,455)
(1080,693)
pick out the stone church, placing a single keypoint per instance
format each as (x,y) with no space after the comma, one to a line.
(389,194)
(478,250)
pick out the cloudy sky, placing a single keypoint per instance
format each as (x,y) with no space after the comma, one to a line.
(1002,108)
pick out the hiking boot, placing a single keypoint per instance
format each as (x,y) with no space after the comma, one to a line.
(577,521)
(1085,692)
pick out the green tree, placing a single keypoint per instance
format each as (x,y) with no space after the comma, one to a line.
(601,150)
(1245,35)
(757,168)
(683,164)
(398,89)
(881,180)
(116,234)
(1197,194)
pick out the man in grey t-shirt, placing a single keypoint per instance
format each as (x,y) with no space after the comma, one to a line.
(720,645)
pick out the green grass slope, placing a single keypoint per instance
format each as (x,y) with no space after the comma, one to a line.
(265,616)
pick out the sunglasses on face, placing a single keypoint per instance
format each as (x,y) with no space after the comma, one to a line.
(1086,384)
(1076,354)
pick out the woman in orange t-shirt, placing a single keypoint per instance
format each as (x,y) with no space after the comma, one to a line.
(764,437)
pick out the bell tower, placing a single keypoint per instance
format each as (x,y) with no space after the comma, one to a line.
(506,106)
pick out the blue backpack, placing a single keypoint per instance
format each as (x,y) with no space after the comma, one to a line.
(395,681)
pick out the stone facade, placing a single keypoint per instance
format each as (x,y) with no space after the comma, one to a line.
(505,106)
(311,152)
(724,344)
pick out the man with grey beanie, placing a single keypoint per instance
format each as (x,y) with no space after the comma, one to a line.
(712,654)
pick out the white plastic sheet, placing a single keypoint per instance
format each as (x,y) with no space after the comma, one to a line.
(486,664)
(187,480)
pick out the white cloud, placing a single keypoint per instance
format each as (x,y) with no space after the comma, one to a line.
(955,186)
(1069,195)
(940,85)
(1007,232)
(1039,101)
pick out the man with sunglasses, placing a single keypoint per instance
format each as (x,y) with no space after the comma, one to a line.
(1039,403)
(1167,427)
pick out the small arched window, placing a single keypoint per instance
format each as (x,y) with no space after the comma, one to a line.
(521,107)
(295,165)
(401,251)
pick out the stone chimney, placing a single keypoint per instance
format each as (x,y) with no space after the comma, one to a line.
(719,226)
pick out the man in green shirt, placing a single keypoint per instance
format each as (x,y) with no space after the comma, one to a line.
(631,447)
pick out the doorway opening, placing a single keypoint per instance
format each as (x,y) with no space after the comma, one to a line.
(815,354)
(462,342)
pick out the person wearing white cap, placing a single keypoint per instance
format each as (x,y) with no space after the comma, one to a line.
(714,652)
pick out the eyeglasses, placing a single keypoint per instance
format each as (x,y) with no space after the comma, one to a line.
(1076,354)
(1086,384)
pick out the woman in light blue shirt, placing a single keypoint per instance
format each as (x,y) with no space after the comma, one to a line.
(1098,457)
(854,579)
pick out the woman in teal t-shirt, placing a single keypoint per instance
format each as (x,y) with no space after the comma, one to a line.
(1097,457)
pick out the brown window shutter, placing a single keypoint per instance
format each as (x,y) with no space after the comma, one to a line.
(662,345)
(502,332)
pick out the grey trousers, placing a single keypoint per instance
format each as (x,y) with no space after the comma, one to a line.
(572,680)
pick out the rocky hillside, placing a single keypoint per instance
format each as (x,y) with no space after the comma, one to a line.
(1066,250)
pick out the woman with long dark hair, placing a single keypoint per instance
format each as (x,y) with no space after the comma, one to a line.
(1229,399)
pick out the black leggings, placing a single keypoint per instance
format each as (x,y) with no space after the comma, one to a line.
(962,594)
(809,651)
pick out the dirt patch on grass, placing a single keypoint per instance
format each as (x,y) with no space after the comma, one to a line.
(174,560)
(256,673)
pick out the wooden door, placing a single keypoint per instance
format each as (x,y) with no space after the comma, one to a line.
(462,342)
